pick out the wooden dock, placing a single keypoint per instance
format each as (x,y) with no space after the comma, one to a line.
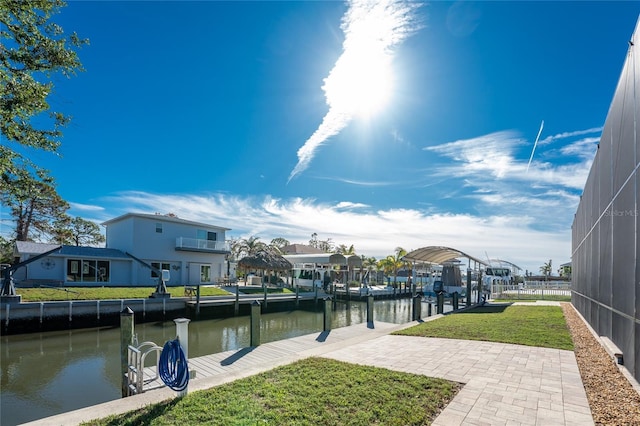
(223,367)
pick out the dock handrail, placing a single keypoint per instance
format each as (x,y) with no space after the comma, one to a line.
(135,371)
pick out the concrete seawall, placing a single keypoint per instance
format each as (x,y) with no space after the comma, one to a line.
(33,317)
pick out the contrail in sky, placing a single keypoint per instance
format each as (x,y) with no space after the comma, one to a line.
(372,29)
(534,146)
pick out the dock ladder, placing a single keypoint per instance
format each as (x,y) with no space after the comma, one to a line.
(135,371)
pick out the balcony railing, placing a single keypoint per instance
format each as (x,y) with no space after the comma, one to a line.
(194,244)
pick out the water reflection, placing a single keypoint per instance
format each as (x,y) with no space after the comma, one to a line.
(44,374)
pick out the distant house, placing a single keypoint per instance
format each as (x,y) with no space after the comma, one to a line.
(194,253)
(565,270)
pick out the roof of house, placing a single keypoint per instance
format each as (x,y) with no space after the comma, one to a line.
(161,218)
(27,247)
(93,252)
(300,249)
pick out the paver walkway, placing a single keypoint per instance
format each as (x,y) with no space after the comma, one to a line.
(503,384)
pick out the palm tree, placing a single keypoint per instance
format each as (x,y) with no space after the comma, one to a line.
(344,250)
(546,269)
(368,263)
(385,265)
(393,263)
(252,245)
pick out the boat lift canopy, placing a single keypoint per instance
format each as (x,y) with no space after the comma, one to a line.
(438,255)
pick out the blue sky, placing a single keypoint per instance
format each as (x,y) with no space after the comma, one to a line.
(405,125)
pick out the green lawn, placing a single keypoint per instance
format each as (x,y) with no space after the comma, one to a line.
(542,326)
(99,293)
(313,391)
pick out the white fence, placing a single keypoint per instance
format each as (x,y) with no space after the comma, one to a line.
(531,290)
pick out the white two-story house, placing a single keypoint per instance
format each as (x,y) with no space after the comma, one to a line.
(193,253)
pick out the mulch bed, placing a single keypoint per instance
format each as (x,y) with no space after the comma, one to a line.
(612,399)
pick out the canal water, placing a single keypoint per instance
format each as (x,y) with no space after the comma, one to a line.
(51,373)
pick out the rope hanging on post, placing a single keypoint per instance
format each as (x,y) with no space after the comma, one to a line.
(172,366)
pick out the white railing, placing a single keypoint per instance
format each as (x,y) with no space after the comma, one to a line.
(531,290)
(197,244)
(559,285)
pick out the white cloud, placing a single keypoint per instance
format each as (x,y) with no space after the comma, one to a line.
(86,207)
(491,154)
(373,232)
(524,218)
(486,172)
(584,148)
(361,75)
(490,158)
(565,135)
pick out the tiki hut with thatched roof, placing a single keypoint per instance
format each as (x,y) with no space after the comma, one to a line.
(265,261)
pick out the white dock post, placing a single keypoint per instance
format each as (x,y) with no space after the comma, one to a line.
(182,332)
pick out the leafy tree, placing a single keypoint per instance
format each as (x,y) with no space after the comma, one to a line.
(326,245)
(76,231)
(235,246)
(34,203)
(32,48)
(278,244)
(6,250)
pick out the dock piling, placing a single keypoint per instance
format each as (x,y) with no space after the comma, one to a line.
(236,305)
(327,314)
(255,323)
(126,339)
(417,307)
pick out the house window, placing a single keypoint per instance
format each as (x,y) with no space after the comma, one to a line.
(206,235)
(161,266)
(88,271)
(158,227)
(205,273)
(103,271)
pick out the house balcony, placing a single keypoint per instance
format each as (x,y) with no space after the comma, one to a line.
(206,246)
